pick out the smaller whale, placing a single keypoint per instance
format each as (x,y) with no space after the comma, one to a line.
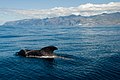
(45,52)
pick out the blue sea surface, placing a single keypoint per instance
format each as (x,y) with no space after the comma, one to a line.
(93,53)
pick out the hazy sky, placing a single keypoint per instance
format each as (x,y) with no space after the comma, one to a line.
(11,10)
(47,4)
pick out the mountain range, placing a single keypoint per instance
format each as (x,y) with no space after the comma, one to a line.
(105,19)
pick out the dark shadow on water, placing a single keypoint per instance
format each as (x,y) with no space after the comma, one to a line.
(42,62)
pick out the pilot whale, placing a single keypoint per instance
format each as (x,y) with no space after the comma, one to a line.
(45,52)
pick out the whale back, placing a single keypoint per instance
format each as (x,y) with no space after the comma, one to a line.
(45,51)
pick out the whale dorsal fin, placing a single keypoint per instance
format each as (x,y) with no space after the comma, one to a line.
(49,49)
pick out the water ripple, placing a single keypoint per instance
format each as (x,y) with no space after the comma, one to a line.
(92,53)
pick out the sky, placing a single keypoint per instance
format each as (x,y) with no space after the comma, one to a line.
(45,4)
(11,10)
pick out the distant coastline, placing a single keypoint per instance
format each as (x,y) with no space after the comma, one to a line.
(105,19)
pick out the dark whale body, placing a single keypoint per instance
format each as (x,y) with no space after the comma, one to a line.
(46,51)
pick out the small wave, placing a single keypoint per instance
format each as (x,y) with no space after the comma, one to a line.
(65,58)
(42,56)
(50,57)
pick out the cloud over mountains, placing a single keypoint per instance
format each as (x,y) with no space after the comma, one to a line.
(84,10)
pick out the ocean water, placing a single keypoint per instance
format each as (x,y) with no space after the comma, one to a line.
(90,53)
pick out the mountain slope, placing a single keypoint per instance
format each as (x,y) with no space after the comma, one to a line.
(72,20)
